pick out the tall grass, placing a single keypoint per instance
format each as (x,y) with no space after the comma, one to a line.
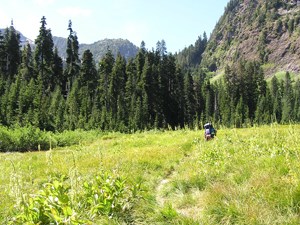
(243,176)
(22,139)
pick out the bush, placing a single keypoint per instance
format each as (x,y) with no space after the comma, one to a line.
(107,195)
(22,139)
(29,138)
(67,138)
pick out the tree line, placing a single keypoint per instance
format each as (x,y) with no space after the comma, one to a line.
(149,91)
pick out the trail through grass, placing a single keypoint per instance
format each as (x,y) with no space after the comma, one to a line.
(243,176)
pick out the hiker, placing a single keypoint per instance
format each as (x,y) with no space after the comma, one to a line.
(209,131)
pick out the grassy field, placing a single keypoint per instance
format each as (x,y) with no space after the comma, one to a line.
(243,176)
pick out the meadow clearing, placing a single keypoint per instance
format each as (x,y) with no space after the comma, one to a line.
(243,176)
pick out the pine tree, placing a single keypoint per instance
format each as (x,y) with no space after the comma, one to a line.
(147,91)
(57,109)
(252,85)
(189,98)
(72,108)
(25,101)
(297,100)
(225,104)
(277,99)
(105,73)
(240,113)
(137,121)
(12,104)
(173,90)
(72,60)
(161,48)
(3,56)
(232,84)
(200,103)
(12,52)
(144,113)
(116,87)
(27,116)
(288,99)
(43,56)
(85,107)
(263,113)
(88,73)
(130,92)
(209,101)
(27,69)
(140,60)
(178,98)
(57,69)
(121,114)
(41,104)
(95,117)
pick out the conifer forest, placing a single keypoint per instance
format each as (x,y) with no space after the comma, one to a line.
(153,90)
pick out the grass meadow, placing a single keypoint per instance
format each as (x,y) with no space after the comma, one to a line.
(243,176)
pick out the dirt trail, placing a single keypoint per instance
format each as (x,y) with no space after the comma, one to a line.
(160,199)
(192,211)
(159,195)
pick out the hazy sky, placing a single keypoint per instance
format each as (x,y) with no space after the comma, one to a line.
(178,22)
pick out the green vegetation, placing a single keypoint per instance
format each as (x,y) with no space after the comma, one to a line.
(243,176)
(158,171)
(281,75)
(255,30)
(153,90)
(217,77)
(31,138)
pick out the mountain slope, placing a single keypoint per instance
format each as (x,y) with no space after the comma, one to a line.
(99,48)
(262,30)
(23,40)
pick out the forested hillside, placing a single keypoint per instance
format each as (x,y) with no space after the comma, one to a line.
(152,90)
(261,30)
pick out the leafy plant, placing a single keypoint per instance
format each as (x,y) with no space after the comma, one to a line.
(109,195)
(106,195)
(51,204)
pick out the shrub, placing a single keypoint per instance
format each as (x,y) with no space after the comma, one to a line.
(29,138)
(106,195)
(67,138)
(22,139)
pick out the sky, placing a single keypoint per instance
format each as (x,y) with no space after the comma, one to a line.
(178,22)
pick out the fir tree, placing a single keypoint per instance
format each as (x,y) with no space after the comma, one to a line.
(57,109)
(209,101)
(189,99)
(105,73)
(27,69)
(72,60)
(85,107)
(88,72)
(297,100)
(240,113)
(72,108)
(288,99)
(3,56)
(276,99)
(12,103)
(57,69)
(116,86)
(176,104)
(12,52)
(43,56)
(25,101)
